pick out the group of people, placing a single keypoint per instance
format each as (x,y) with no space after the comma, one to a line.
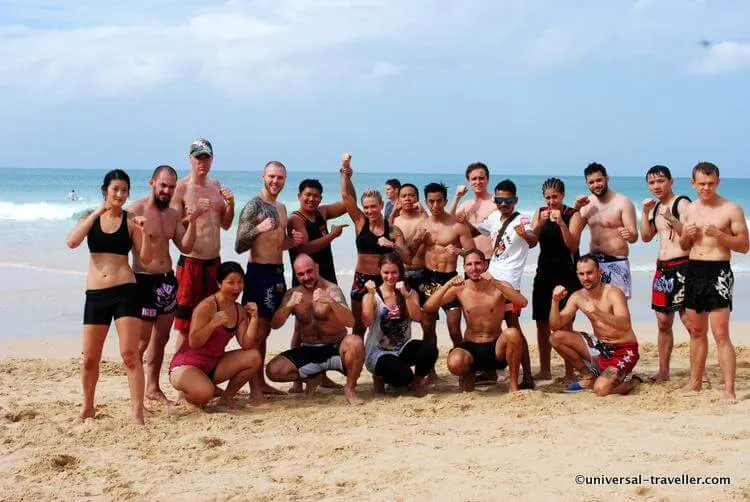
(406,271)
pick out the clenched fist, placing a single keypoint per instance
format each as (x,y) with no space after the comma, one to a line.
(295,299)
(227,195)
(251,309)
(370,286)
(559,293)
(648,205)
(581,200)
(321,295)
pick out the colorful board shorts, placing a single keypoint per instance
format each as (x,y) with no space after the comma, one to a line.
(483,355)
(313,359)
(359,290)
(615,271)
(103,305)
(621,356)
(668,287)
(432,280)
(196,279)
(264,286)
(709,285)
(158,294)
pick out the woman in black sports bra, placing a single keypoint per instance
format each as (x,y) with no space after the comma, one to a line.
(558,251)
(111,290)
(375,237)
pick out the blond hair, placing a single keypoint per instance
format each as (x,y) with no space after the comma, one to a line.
(371,193)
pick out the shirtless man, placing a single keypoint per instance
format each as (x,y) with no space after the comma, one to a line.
(156,282)
(320,307)
(661,216)
(444,240)
(478,208)
(262,230)
(406,216)
(485,347)
(612,224)
(196,271)
(712,228)
(608,356)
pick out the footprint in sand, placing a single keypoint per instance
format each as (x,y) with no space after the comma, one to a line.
(25,414)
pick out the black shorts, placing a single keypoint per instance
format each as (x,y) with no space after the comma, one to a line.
(708,285)
(668,286)
(102,305)
(433,280)
(544,282)
(414,279)
(158,294)
(483,355)
(313,359)
(264,286)
(359,290)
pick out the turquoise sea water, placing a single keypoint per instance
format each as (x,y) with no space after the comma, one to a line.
(35,217)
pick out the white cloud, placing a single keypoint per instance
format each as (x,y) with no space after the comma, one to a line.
(725,57)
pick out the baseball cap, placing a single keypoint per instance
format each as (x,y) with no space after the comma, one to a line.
(201,146)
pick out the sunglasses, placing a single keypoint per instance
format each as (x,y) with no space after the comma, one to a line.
(506,200)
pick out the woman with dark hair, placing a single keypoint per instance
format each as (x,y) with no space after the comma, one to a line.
(556,266)
(202,361)
(375,237)
(111,291)
(390,352)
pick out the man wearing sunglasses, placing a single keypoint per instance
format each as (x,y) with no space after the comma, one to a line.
(511,236)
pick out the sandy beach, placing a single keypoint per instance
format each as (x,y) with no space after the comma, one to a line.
(445,446)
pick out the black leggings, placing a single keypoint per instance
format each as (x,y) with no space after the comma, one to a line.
(396,370)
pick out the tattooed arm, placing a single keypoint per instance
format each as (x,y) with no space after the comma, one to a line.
(247,230)
(339,307)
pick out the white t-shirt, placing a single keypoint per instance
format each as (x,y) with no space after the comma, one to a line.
(509,255)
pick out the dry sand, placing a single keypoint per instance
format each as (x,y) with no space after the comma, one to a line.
(445,446)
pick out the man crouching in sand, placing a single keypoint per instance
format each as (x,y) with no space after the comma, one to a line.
(606,358)
(323,317)
(485,346)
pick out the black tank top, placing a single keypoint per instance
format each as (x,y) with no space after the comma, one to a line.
(324,258)
(118,242)
(552,249)
(367,242)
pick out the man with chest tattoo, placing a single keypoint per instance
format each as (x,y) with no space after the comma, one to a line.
(712,228)
(323,317)
(605,358)
(196,271)
(612,224)
(156,281)
(442,240)
(262,231)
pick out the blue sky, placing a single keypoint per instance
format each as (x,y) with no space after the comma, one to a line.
(537,87)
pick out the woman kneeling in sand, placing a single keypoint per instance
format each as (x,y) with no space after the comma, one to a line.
(202,362)
(390,352)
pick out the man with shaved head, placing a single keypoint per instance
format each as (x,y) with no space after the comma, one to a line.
(262,231)
(323,318)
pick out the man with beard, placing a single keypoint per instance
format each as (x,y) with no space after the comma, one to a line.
(612,224)
(661,216)
(261,230)
(156,281)
(406,216)
(443,240)
(484,347)
(320,307)
(713,227)
(606,358)
(480,206)
(196,271)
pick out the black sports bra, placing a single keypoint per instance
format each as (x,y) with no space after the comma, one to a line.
(118,242)
(367,241)
(236,325)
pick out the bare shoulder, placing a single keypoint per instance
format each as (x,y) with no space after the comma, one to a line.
(335,291)
(137,208)
(623,201)
(614,293)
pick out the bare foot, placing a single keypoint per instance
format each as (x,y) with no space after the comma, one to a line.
(543,375)
(691,388)
(466,383)
(256,398)
(378,384)
(659,377)
(138,418)
(296,387)
(729,398)
(267,389)
(431,377)
(352,397)
(327,383)
(87,413)
(228,402)
(158,396)
(311,384)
